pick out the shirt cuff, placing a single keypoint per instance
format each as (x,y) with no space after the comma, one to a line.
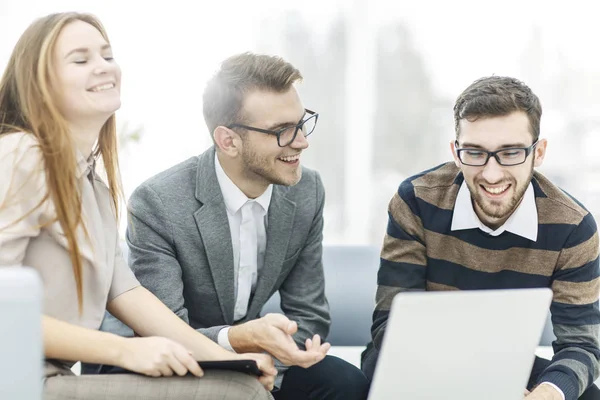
(223,340)
(543,383)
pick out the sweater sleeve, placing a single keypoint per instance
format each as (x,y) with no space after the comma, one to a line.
(575,313)
(403,257)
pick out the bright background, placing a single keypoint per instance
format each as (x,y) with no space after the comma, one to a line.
(382,74)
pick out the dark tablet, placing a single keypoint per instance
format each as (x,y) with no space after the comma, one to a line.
(248,366)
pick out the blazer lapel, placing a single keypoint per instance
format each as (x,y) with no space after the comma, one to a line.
(279,230)
(213,225)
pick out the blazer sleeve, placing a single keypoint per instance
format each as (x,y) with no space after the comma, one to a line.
(152,254)
(303,291)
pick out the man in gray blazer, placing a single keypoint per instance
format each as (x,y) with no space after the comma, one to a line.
(215,236)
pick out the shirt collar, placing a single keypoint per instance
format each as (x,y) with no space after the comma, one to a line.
(233,196)
(523,222)
(85,166)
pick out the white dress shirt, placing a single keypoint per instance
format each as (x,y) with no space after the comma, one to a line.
(523,222)
(247,224)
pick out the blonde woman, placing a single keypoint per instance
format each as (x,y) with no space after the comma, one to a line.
(58,97)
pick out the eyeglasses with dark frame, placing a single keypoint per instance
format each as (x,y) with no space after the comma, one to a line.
(287,134)
(506,157)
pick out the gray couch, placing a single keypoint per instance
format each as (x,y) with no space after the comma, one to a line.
(351,279)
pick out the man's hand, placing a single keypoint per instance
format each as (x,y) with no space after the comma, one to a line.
(273,334)
(544,392)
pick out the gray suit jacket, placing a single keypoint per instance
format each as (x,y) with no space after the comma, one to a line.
(180,249)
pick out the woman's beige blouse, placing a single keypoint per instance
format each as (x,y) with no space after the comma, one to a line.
(32,242)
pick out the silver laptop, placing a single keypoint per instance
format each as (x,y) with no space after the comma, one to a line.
(465,345)
(20,334)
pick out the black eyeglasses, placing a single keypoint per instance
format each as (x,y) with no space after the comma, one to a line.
(287,134)
(506,157)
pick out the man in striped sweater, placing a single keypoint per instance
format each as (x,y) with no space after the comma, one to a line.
(488,220)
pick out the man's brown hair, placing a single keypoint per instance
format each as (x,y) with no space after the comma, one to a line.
(496,96)
(240,74)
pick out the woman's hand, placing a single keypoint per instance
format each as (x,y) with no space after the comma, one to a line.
(157,356)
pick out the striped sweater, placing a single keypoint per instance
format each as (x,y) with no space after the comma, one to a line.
(420,252)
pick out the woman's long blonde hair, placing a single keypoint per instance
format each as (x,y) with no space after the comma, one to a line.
(27,104)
